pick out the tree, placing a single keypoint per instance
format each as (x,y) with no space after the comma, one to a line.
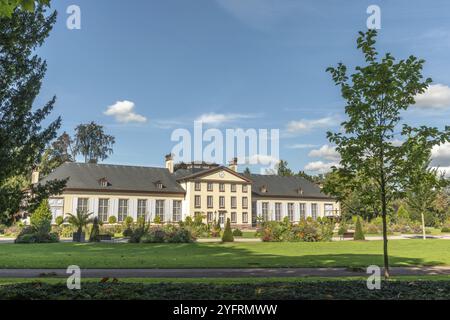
(247,171)
(92,143)
(359,234)
(422,190)
(59,152)
(80,220)
(23,136)
(95,232)
(41,218)
(228,233)
(7,7)
(376,94)
(283,169)
(403,214)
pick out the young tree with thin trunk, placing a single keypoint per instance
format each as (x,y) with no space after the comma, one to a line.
(422,190)
(375,96)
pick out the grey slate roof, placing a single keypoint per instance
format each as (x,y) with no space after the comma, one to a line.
(278,186)
(119,177)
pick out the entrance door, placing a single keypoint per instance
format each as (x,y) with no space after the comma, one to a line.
(222,219)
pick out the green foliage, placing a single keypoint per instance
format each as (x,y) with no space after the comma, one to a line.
(342,228)
(92,142)
(227,233)
(307,230)
(376,94)
(112,220)
(41,218)
(80,220)
(341,289)
(157,220)
(168,234)
(7,7)
(22,131)
(359,234)
(237,233)
(403,214)
(95,232)
(283,169)
(59,220)
(128,221)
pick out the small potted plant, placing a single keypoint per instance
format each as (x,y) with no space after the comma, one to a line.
(80,221)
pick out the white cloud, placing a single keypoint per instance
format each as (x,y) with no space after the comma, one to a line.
(440,155)
(443,170)
(302,146)
(437,96)
(320,166)
(327,152)
(305,125)
(262,159)
(219,118)
(123,112)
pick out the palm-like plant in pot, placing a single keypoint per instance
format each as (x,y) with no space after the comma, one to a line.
(80,221)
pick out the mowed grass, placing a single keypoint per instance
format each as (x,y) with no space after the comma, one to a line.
(233,255)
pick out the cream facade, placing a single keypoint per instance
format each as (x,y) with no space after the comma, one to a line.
(173,193)
(219,195)
(295,209)
(119,205)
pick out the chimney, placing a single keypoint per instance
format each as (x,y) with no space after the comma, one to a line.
(233,165)
(35,176)
(169,163)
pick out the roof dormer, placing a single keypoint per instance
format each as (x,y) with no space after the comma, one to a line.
(103,182)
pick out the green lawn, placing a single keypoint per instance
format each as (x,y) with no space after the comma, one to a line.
(215,255)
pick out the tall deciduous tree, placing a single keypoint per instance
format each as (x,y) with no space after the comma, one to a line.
(59,152)
(92,142)
(376,94)
(22,135)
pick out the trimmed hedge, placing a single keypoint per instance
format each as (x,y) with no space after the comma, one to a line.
(227,233)
(325,290)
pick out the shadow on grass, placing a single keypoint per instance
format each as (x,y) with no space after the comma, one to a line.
(196,255)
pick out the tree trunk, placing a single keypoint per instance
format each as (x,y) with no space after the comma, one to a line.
(423,226)
(385,247)
(385,239)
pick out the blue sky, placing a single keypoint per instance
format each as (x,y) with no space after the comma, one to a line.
(239,63)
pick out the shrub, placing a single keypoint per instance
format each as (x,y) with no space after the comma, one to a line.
(180,235)
(227,233)
(128,221)
(326,228)
(128,232)
(41,218)
(65,231)
(155,235)
(359,234)
(140,221)
(445,229)
(342,228)
(59,220)
(306,231)
(112,220)
(13,230)
(403,214)
(215,229)
(157,220)
(95,232)
(237,233)
(40,229)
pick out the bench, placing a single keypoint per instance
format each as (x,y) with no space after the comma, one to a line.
(102,237)
(348,235)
